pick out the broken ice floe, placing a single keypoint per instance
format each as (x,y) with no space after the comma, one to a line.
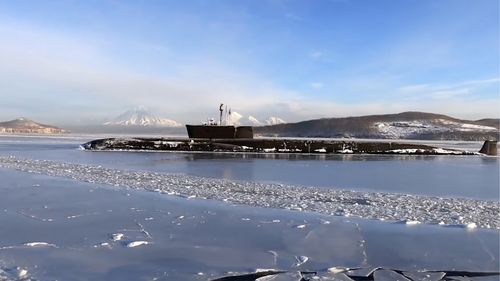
(371,205)
(359,274)
(134,244)
(117,236)
(14,274)
(103,245)
(300,260)
(39,244)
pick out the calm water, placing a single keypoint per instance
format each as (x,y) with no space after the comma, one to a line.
(451,176)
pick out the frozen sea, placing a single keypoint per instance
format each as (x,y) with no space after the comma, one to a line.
(68,214)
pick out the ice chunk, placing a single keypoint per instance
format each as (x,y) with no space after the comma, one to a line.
(301,260)
(39,244)
(388,275)
(411,222)
(335,270)
(424,276)
(134,244)
(471,225)
(103,244)
(117,236)
(22,273)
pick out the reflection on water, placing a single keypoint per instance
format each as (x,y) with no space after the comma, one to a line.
(469,176)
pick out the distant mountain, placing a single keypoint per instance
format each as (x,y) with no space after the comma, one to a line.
(141,117)
(406,125)
(26,126)
(254,121)
(274,121)
(238,119)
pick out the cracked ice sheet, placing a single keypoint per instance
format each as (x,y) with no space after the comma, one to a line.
(373,205)
(203,239)
(184,238)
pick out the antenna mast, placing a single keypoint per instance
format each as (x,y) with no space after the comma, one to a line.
(221,109)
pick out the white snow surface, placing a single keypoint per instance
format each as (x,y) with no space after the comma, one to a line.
(403,129)
(141,117)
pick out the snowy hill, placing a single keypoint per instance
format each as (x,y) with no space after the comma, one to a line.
(406,125)
(405,129)
(26,126)
(141,117)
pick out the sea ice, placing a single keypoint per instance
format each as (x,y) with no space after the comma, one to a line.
(134,244)
(370,205)
(300,260)
(471,225)
(117,236)
(411,222)
(39,244)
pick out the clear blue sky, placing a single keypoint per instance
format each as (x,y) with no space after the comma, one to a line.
(87,61)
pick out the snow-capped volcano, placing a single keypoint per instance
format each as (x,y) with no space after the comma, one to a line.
(234,118)
(238,119)
(140,116)
(274,120)
(254,121)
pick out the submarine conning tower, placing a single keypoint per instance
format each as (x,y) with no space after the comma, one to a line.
(489,147)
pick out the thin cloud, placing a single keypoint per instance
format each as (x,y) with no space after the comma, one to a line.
(62,77)
(316,85)
(316,55)
(57,73)
(441,91)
